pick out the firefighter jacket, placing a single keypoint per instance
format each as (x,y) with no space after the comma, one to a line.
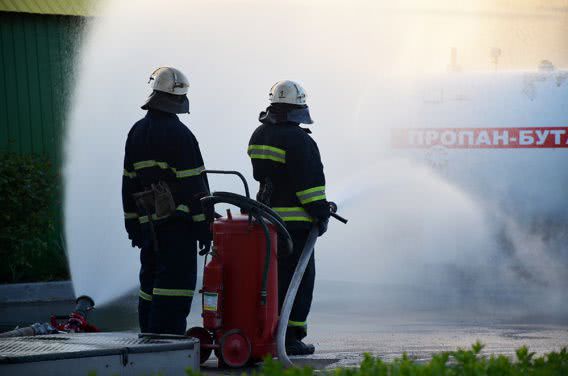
(160,148)
(287,163)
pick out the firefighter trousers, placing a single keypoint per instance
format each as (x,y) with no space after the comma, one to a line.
(286,268)
(167,279)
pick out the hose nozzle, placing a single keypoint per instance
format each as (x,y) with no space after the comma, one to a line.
(332,207)
(333,211)
(77,321)
(84,304)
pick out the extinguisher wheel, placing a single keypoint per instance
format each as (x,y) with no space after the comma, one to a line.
(235,348)
(204,338)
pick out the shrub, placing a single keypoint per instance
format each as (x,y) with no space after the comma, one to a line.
(30,247)
(456,363)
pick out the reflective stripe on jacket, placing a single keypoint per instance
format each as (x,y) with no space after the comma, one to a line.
(285,155)
(160,147)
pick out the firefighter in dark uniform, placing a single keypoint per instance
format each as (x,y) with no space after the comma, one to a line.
(161,188)
(286,161)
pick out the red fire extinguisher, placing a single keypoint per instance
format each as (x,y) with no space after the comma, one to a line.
(240,282)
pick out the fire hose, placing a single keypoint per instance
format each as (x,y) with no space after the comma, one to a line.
(293,288)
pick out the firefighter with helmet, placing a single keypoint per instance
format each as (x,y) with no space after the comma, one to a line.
(287,163)
(161,187)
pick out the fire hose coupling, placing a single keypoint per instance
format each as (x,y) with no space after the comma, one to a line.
(84,304)
(77,321)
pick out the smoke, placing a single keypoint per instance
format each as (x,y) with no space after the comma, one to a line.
(362,63)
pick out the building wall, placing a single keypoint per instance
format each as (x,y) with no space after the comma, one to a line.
(36,71)
(37,54)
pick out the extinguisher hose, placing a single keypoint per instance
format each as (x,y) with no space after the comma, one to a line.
(250,205)
(291,296)
(266,259)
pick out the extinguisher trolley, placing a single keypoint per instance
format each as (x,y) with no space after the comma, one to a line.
(240,281)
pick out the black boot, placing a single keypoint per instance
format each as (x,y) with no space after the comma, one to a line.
(294,344)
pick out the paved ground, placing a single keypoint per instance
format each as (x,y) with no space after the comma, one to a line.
(343,330)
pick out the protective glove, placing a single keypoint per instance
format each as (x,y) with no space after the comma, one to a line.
(202,231)
(204,247)
(322,225)
(136,238)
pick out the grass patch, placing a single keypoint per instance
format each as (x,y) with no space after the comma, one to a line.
(463,362)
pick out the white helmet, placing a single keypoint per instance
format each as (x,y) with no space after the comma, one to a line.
(169,80)
(287,92)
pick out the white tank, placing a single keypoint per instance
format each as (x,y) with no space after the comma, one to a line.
(513,192)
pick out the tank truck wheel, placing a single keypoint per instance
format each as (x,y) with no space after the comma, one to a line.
(204,338)
(235,348)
